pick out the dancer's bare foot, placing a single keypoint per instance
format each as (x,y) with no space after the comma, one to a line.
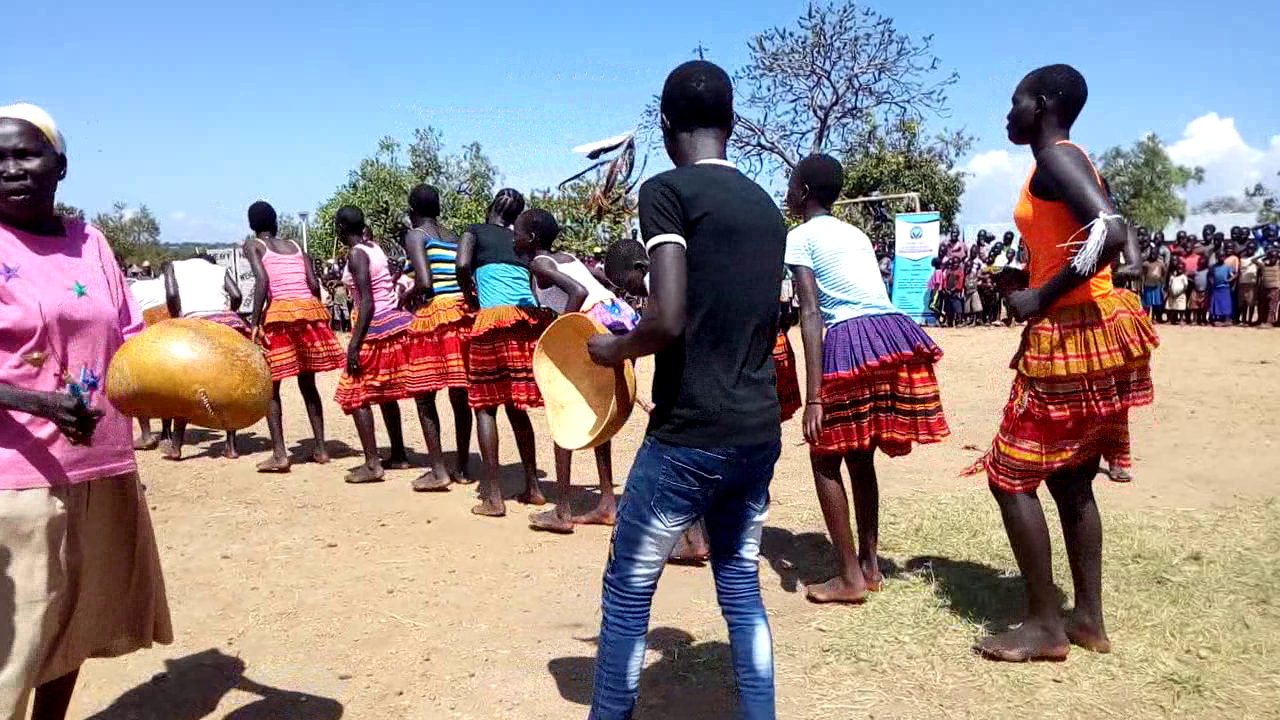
(169,451)
(838,590)
(532,496)
(274,464)
(148,441)
(365,474)
(320,456)
(871,575)
(397,462)
(490,509)
(1031,642)
(430,481)
(1088,633)
(552,521)
(229,452)
(602,515)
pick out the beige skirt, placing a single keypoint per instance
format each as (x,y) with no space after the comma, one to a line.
(79,578)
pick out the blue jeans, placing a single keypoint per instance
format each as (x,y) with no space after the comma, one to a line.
(669,488)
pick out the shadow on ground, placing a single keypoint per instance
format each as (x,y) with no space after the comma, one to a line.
(806,558)
(191,688)
(689,680)
(976,592)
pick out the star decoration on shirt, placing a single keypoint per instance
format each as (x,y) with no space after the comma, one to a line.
(80,289)
(35,358)
(8,272)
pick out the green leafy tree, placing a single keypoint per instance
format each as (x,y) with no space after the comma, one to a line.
(1146,183)
(380,187)
(68,211)
(1225,204)
(130,232)
(589,221)
(902,159)
(1268,201)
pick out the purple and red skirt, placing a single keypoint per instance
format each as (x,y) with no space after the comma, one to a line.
(500,356)
(297,339)
(878,387)
(385,364)
(439,335)
(1079,371)
(230,319)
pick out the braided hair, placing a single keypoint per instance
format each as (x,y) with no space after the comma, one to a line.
(506,206)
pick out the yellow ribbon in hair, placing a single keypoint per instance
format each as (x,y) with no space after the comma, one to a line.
(41,119)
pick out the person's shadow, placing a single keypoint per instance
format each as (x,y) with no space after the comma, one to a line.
(978,593)
(805,558)
(192,687)
(689,680)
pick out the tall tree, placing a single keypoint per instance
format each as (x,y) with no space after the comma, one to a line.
(380,187)
(902,159)
(1146,183)
(129,230)
(829,83)
(1268,202)
(589,220)
(68,211)
(1226,204)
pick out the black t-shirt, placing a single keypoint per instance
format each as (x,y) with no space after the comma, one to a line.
(715,386)
(494,244)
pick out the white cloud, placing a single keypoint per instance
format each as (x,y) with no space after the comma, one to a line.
(178,215)
(1210,141)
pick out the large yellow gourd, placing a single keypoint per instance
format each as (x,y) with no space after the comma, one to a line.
(586,404)
(191,368)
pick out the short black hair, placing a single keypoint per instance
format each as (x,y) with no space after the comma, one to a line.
(507,205)
(542,225)
(1064,86)
(623,255)
(349,220)
(262,217)
(698,95)
(425,201)
(823,175)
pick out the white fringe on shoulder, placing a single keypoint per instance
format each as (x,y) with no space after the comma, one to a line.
(1086,259)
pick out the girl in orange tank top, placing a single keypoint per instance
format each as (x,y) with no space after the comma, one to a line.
(1083,362)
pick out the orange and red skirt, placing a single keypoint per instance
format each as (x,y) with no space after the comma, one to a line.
(500,356)
(297,339)
(385,366)
(784,361)
(878,387)
(1079,371)
(439,336)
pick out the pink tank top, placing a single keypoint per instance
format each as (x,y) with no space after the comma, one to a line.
(286,274)
(384,292)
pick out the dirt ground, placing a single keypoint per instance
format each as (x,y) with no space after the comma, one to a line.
(301,597)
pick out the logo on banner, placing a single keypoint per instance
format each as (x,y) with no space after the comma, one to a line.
(917,232)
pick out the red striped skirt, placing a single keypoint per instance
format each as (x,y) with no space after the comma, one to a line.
(438,341)
(1080,370)
(384,365)
(878,387)
(784,361)
(500,357)
(296,339)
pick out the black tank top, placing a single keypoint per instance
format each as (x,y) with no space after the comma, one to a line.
(495,244)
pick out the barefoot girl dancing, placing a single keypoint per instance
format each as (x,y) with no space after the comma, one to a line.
(293,328)
(1083,362)
(870,383)
(378,360)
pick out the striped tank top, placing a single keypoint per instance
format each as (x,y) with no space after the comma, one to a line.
(442,258)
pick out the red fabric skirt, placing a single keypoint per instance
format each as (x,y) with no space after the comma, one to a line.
(305,346)
(1080,370)
(889,407)
(384,367)
(500,357)
(784,360)
(438,340)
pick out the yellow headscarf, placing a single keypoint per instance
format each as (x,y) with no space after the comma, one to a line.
(41,119)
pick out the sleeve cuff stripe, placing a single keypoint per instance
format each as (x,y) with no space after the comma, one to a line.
(657,240)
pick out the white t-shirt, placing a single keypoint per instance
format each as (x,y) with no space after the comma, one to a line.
(845,267)
(148,293)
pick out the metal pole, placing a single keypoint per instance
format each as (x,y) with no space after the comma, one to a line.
(303,217)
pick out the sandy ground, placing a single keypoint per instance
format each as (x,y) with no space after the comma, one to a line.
(301,597)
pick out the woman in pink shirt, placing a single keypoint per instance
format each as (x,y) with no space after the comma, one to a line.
(378,356)
(78,559)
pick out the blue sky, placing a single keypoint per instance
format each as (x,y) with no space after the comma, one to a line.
(198,111)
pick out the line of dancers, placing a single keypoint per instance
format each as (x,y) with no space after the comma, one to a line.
(710,264)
